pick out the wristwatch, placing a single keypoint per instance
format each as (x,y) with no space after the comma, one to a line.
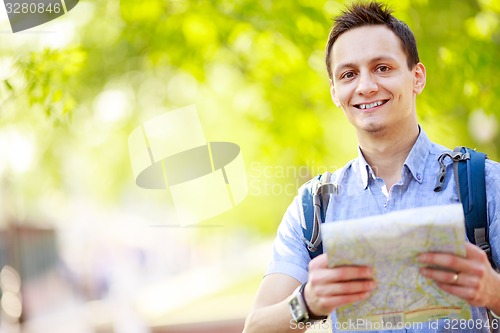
(299,309)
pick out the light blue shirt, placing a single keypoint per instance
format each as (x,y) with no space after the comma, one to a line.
(361,194)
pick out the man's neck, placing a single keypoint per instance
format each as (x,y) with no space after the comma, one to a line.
(386,154)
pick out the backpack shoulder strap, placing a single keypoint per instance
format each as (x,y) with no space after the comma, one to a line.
(471,185)
(468,169)
(314,200)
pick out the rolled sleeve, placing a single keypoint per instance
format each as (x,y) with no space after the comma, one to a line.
(290,255)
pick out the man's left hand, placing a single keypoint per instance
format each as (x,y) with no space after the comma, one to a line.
(471,278)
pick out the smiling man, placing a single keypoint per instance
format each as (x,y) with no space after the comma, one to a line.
(376,87)
(375,77)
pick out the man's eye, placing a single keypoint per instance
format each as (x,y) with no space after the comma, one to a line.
(383,68)
(347,75)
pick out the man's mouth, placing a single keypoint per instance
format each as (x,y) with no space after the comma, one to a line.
(365,106)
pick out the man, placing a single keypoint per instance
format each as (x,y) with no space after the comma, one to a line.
(375,76)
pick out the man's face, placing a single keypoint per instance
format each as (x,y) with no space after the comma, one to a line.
(371,79)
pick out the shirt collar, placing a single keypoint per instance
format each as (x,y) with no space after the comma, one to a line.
(365,170)
(415,161)
(418,155)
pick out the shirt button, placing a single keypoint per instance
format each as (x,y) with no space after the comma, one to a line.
(419,177)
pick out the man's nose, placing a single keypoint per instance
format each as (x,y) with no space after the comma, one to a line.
(366,83)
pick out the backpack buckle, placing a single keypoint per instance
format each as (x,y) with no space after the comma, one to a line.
(486,248)
(459,156)
(326,188)
(455,156)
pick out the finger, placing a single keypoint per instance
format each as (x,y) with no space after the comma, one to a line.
(340,274)
(447,261)
(474,263)
(320,261)
(451,278)
(475,253)
(344,288)
(463,292)
(333,302)
(460,285)
(441,276)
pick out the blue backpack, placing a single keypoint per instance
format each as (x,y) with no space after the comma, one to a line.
(468,166)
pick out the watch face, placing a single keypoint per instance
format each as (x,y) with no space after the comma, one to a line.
(297,309)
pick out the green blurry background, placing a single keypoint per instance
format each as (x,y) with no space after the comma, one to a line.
(72,90)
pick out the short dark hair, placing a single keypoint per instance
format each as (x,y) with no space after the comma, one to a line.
(371,13)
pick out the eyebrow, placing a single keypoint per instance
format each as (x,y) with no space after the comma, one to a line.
(341,67)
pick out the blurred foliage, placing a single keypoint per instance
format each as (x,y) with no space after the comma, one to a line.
(254,69)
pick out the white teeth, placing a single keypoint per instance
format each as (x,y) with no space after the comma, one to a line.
(371,105)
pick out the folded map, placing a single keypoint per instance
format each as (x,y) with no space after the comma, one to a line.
(390,243)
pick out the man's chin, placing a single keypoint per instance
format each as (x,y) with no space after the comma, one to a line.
(373,128)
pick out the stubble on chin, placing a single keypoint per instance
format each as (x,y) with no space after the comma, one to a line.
(374,128)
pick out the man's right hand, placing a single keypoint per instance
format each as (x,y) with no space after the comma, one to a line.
(329,288)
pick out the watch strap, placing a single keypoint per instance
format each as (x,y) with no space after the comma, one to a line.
(493,314)
(312,317)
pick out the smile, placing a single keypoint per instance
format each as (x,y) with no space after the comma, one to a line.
(370,105)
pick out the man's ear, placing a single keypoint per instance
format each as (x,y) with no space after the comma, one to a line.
(419,78)
(334,96)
